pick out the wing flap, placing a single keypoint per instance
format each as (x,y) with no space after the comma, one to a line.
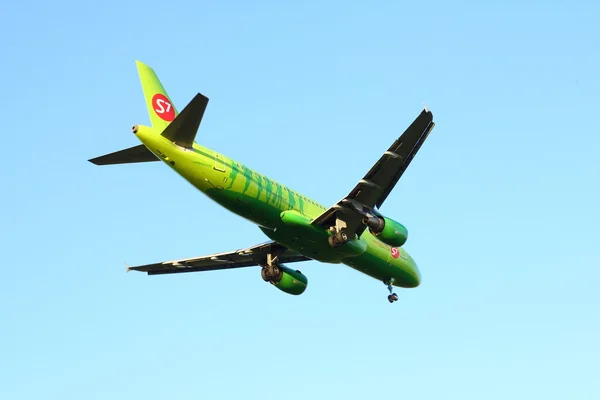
(249,257)
(395,161)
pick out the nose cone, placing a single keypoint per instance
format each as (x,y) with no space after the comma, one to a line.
(414,273)
(417,275)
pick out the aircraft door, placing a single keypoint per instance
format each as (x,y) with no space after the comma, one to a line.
(219,163)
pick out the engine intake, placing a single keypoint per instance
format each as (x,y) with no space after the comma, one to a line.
(387,230)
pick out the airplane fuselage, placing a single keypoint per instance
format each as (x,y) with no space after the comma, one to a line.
(279,211)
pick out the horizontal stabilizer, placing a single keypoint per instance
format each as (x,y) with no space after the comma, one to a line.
(135,154)
(184,127)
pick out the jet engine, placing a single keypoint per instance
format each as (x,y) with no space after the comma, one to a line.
(285,279)
(387,230)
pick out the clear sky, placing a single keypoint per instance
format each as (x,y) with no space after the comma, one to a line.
(501,203)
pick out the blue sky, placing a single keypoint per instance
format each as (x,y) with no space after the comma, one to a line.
(501,203)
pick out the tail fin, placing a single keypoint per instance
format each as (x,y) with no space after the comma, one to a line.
(162,112)
(160,107)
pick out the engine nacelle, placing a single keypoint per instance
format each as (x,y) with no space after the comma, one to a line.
(285,279)
(388,231)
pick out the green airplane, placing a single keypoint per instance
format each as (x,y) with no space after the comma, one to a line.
(352,231)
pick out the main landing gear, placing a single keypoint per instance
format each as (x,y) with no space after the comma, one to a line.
(340,237)
(270,271)
(393,296)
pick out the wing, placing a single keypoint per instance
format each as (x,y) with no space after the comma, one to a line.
(374,188)
(249,257)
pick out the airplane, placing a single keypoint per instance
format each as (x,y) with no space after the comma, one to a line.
(352,231)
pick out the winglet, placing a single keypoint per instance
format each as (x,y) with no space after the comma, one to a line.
(425,106)
(128,267)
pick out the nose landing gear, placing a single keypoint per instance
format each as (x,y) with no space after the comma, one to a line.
(393,296)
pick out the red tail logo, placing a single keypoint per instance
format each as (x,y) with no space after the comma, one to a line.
(163,107)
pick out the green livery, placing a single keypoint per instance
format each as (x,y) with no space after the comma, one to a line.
(352,231)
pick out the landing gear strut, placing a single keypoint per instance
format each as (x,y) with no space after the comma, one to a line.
(340,236)
(393,296)
(270,271)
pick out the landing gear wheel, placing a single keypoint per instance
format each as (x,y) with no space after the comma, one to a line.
(271,273)
(333,242)
(338,238)
(393,296)
(275,271)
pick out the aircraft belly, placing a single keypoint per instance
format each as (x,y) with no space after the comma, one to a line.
(308,243)
(402,275)
(384,263)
